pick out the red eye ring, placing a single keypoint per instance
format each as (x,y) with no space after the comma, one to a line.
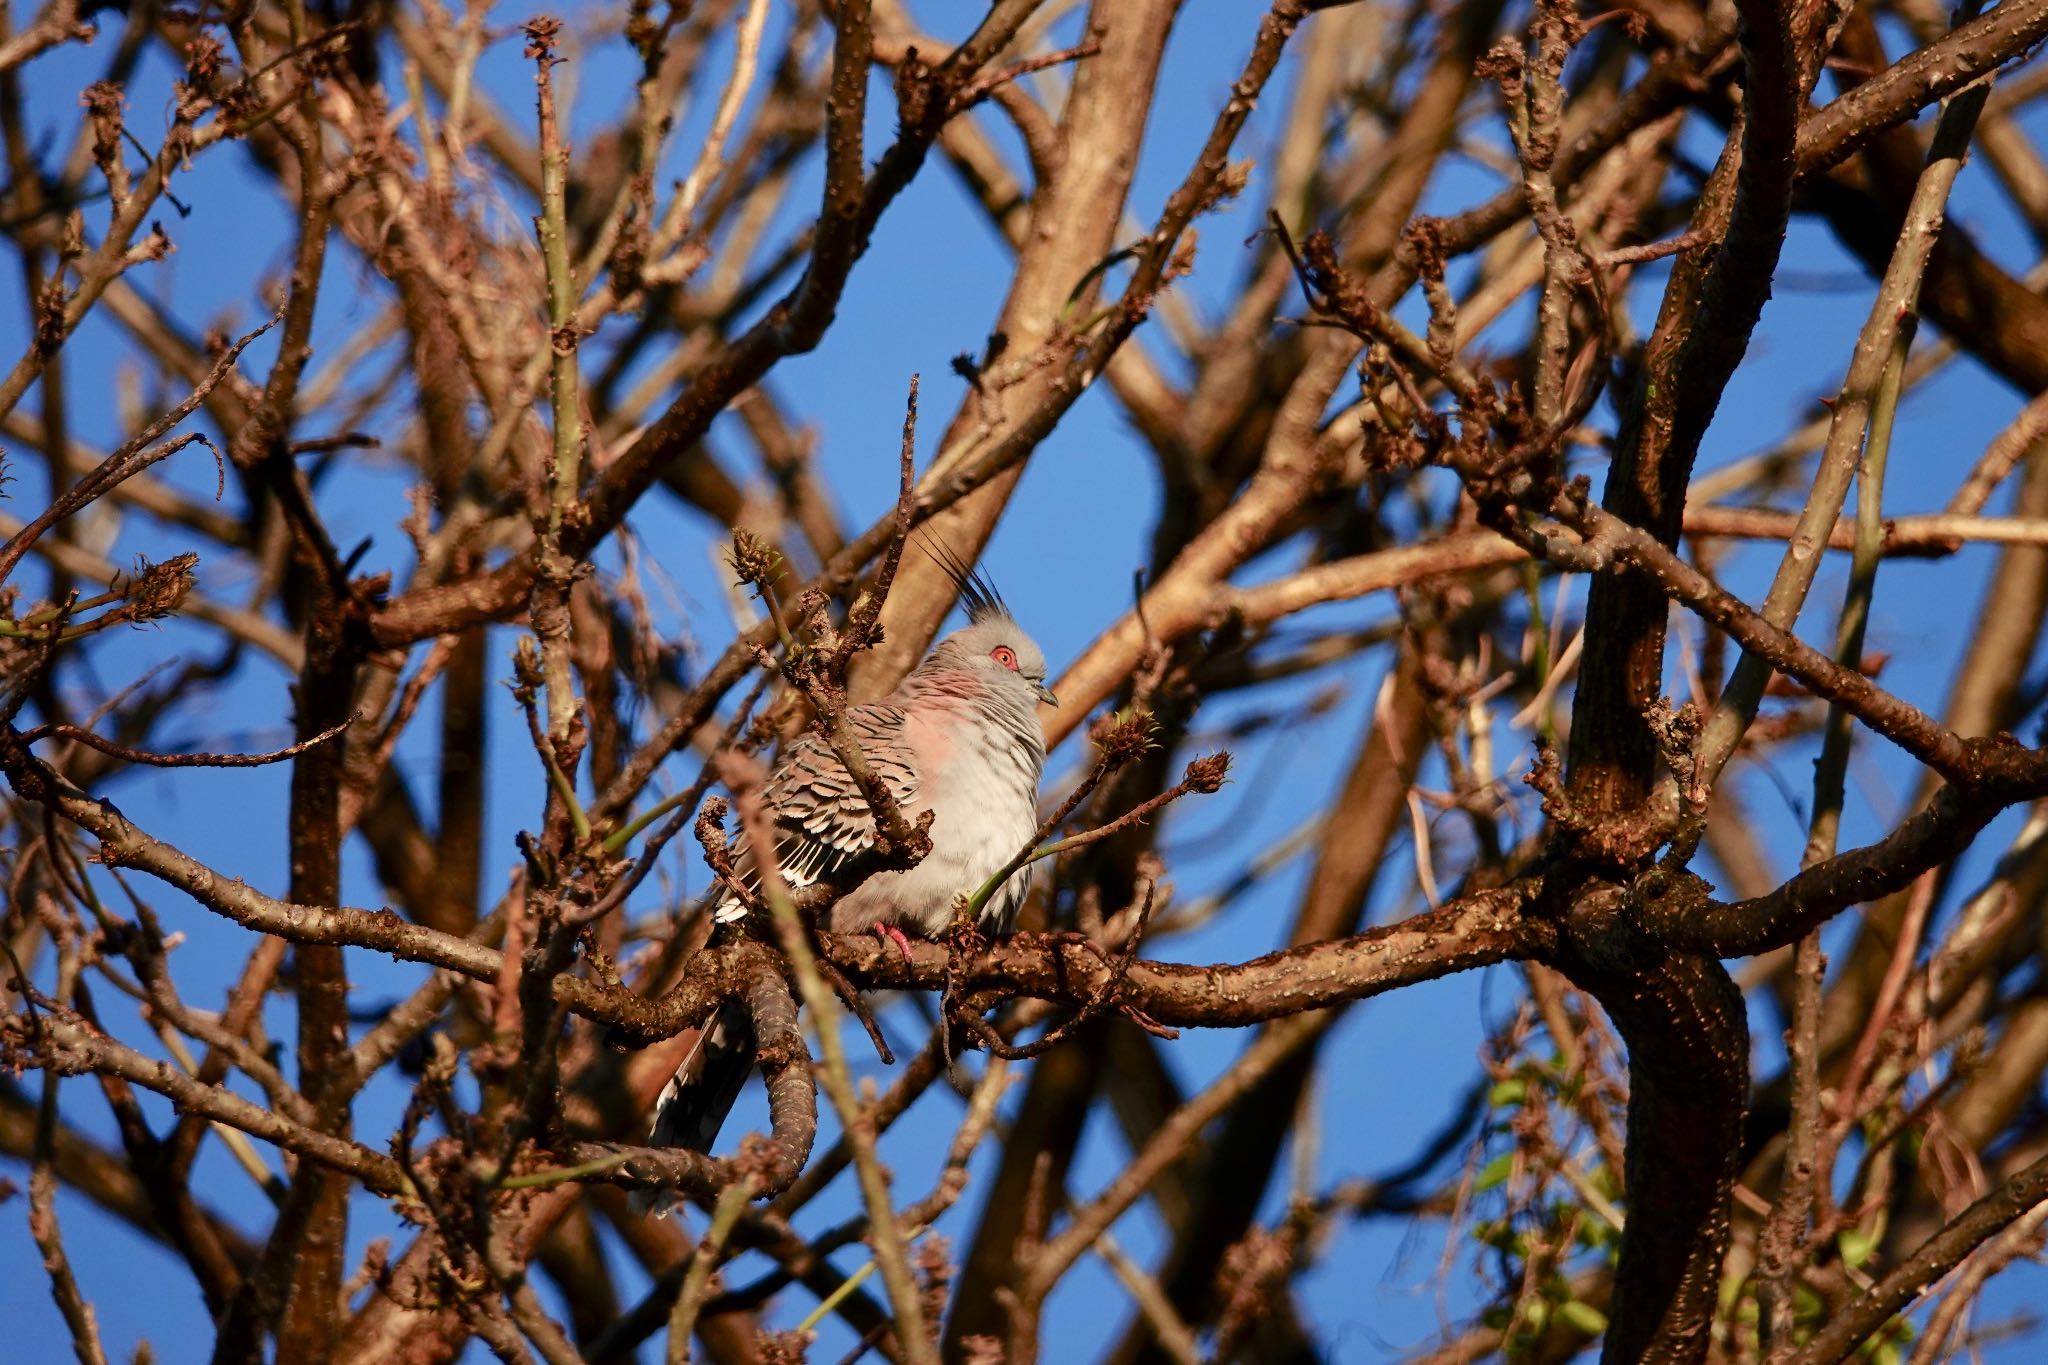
(1005,656)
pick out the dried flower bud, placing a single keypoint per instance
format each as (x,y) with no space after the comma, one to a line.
(527,678)
(103,102)
(203,58)
(786,1348)
(641,30)
(1207,774)
(753,559)
(1123,736)
(711,825)
(157,589)
(1232,182)
(153,247)
(541,33)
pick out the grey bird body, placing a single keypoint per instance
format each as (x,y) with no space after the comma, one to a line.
(960,738)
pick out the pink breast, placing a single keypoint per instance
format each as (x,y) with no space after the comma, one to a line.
(930,737)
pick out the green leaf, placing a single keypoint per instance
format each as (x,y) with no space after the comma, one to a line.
(1856,1246)
(1494,1172)
(1505,1093)
(1583,1317)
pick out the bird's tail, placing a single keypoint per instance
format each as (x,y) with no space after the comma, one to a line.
(694,1103)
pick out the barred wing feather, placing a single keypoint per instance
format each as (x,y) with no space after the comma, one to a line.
(821,812)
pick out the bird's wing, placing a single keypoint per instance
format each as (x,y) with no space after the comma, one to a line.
(820,813)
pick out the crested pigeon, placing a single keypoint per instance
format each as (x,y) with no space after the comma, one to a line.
(959,737)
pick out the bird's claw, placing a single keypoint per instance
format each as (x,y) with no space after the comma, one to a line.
(889,933)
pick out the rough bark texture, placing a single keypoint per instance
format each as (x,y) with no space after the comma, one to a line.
(1454,463)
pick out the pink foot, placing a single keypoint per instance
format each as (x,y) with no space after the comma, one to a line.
(889,933)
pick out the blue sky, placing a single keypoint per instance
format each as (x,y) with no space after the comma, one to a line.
(1079,524)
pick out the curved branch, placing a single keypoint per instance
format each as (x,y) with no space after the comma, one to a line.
(792,1114)
(1610,540)
(1937,1256)
(1941,830)
(123,844)
(1844,127)
(1474,931)
(66,1046)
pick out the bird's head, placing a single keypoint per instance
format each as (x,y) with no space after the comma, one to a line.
(992,644)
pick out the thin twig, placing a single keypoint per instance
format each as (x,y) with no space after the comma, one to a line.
(838,1081)
(682,1321)
(60,730)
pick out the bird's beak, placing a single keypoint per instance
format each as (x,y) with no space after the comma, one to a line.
(1045,695)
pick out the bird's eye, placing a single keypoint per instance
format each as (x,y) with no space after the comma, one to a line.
(1005,656)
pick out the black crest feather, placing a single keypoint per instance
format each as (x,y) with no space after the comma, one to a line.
(977,590)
